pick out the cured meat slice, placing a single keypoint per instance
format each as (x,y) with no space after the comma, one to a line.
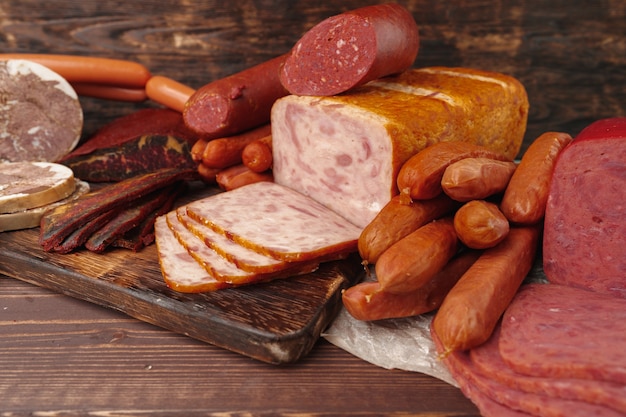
(462,368)
(221,268)
(557,331)
(58,223)
(31,128)
(26,185)
(277,221)
(585,231)
(345,151)
(244,258)
(180,271)
(488,361)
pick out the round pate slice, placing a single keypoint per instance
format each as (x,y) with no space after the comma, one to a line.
(26,185)
(31,218)
(41,118)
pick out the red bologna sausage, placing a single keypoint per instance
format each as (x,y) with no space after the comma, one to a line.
(526,196)
(420,177)
(367,301)
(351,49)
(236,103)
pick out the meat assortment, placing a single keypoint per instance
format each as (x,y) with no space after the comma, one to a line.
(346,151)
(313,169)
(235,237)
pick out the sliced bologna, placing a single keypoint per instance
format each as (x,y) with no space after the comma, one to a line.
(585,232)
(557,331)
(41,118)
(277,221)
(351,49)
(346,151)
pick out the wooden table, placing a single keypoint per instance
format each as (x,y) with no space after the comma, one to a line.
(61,356)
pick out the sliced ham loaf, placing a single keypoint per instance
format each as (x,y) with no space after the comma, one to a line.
(26,185)
(219,267)
(557,331)
(345,151)
(180,271)
(277,221)
(488,361)
(477,385)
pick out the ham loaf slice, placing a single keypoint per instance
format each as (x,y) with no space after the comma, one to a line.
(345,151)
(277,221)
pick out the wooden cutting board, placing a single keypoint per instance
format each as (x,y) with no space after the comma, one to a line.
(275,322)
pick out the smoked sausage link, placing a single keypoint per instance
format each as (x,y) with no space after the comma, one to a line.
(398,218)
(367,301)
(257,155)
(525,198)
(476,178)
(473,307)
(235,103)
(420,176)
(480,224)
(351,49)
(412,261)
(226,152)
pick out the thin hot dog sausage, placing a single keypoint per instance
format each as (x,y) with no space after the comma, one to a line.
(525,198)
(238,176)
(472,308)
(208,175)
(226,152)
(476,178)
(91,70)
(412,261)
(257,155)
(420,176)
(168,92)
(109,92)
(198,149)
(480,224)
(235,103)
(367,301)
(351,49)
(398,218)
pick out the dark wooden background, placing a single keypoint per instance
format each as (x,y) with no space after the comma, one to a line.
(60,356)
(570,54)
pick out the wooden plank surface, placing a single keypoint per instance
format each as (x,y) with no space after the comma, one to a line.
(276,322)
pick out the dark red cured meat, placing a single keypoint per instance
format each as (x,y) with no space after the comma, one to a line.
(155,121)
(58,223)
(81,233)
(558,331)
(126,219)
(139,156)
(143,235)
(585,230)
(476,384)
(350,49)
(488,360)
(235,103)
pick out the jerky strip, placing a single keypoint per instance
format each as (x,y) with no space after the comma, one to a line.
(80,235)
